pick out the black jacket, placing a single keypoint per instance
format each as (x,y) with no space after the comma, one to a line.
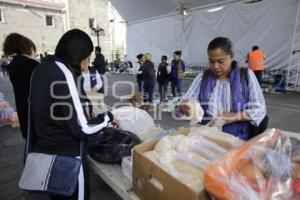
(99,63)
(139,76)
(20,70)
(162,73)
(148,71)
(57,114)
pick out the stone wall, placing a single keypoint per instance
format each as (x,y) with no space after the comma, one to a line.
(31,22)
(79,13)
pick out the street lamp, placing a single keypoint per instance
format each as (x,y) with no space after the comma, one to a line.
(98,31)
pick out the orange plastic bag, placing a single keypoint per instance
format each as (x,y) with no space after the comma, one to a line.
(264,168)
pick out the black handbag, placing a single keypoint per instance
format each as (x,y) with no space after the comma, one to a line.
(111,145)
(51,174)
(254,131)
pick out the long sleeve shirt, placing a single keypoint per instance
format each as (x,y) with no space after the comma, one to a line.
(87,81)
(221,100)
(57,113)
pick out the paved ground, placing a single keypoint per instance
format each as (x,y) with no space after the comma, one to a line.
(284,112)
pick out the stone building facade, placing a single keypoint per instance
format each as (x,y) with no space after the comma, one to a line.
(44,21)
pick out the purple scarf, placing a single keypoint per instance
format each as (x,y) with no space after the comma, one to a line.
(240,97)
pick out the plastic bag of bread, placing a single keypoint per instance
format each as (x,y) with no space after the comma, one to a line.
(264,168)
(8,117)
(185,157)
(152,132)
(220,138)
(183,171)
(173,154)
(207,148)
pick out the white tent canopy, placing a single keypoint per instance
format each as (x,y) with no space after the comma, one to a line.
(156,26)
(136,10)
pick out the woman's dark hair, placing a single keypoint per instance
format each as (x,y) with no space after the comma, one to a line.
(97,48)
(178,53)
(73,47)
(254,48)
(223,43)
(140,56)
(164,58)
(16,43)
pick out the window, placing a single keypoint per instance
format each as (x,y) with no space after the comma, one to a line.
(92,23)
(1,15)
(49,20)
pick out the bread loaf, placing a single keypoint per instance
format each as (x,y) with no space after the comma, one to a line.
(185,167)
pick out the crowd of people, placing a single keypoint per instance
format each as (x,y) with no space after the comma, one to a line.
(147,75)
(174,73)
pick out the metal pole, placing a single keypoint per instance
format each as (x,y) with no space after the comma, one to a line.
(292,54)
(98,39)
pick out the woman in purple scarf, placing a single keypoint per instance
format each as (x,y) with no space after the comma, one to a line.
(227,91)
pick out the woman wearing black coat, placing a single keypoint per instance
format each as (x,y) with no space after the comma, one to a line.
(57,113)
(23,53)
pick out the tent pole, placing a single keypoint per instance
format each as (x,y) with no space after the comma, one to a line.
(293,55)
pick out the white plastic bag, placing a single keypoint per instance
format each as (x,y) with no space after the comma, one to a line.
(127,167)
(133,119)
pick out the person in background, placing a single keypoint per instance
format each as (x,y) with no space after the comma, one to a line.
(163,77)
(227,91)
(139,76)
(3,64)
(279,83)
(59,121)
(148,73)
(99,62)
(23,63)
(90,82)
(41,57)
(177,73)
(256,62)
(100,65)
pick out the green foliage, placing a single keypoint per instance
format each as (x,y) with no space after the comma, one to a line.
(118,53)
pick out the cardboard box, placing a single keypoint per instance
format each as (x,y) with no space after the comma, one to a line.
(150,182)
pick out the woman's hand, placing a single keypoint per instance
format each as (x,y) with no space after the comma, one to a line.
(115,123)
(92,115)
(94,89)
(231,117)
(185,107)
